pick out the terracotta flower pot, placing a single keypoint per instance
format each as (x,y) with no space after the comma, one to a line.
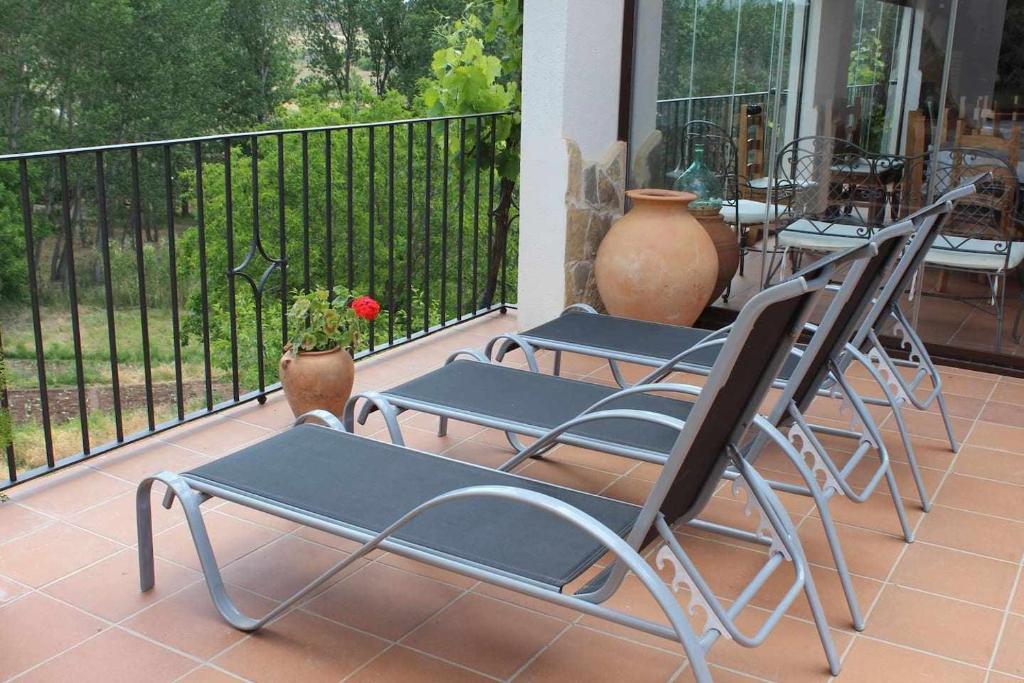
(317,380)
(726,246)
(657,263)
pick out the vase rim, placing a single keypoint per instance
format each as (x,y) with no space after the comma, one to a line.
(323,352)
(661,196)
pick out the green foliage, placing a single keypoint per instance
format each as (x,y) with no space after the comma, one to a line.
(321,320)
(468,78)
(13,271)
(867,61)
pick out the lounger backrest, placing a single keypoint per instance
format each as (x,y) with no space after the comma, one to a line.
(844,315)
(753,353)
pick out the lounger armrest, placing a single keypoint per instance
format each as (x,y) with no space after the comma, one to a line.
(508,340)
(687,389)
(324,417)
(668,367)
(552,435)
(472,354)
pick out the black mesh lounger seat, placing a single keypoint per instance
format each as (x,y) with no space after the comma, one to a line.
(368,485)
(539,403)
(528,536)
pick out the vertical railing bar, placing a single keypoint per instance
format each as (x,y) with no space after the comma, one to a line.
(328,210)
(490,211)
(76,330)
(5,408)
(204,294)
(408,230)
(349,217)
(172,259)
(391,234)
(141,272)
(282,242)
(476,213)
(444,228)
(256,243)
(504,262)
(108,293)
(462,216)
(305,211)
(428,152)
(37,328)
(229,231)
(372,201)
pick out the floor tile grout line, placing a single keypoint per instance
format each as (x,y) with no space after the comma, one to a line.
(903,551)
(1006,614)
(916,527)
(525,665)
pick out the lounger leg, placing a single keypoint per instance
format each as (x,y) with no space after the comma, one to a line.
(944,411)
(875,437)
(831,535)
(374,401)
(190,501)
(908,447)
(925,362)
(617,374)
(442,426)
(556,370)
(895,404)
(780,521)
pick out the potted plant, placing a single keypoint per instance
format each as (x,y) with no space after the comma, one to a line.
(317,370)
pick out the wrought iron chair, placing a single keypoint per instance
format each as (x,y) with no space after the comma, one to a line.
(983,233)
(836,195)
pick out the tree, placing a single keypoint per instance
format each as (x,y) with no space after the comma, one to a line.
(332,39)
(383,23)
(467,80)
(256,36)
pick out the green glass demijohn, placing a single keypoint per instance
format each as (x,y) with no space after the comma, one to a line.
(699,180)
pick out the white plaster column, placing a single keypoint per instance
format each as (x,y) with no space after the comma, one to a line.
(571,61)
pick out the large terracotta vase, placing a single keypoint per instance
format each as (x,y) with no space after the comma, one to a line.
(315,380)
(657,263)
(726,247)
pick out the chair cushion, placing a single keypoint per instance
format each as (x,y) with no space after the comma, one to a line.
(750,212)
(820,235)
(368,485)
(975,254)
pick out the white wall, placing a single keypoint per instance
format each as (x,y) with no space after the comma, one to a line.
(571,60)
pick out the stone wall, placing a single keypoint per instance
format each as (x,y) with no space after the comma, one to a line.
(593,201)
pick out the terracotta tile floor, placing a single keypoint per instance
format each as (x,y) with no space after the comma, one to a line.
(949,607)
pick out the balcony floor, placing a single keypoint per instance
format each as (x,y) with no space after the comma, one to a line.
(949,607)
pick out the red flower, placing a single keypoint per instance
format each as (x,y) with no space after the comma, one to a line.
(366,307)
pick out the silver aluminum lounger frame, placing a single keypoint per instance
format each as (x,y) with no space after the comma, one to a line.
(774,529)
(873,261)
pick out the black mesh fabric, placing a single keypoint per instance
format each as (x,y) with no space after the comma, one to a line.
(369,485)
(848,319)
(607,333)
(543,401)
(623,335)
(734,404)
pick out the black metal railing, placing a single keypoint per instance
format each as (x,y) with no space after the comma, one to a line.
(156,276)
